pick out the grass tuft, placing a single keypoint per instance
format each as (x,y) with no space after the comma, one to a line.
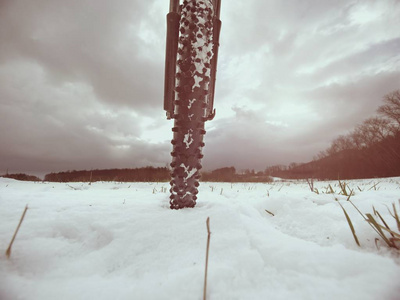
(389,241)
(343,187)
(393,240)
(331,191)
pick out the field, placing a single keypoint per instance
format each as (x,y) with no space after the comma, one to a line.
(278,240)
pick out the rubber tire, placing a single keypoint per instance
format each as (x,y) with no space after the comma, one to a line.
(193,77)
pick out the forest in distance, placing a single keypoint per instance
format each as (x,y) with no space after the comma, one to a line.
(371,149)
(146,174)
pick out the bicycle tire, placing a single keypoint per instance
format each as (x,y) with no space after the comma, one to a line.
(193,68)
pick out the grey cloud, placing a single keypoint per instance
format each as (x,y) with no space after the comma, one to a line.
(43,125)
(247,135)
(86,41)
(359,98)
(364,63)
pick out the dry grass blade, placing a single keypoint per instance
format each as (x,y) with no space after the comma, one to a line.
(8,252)
(269,212)
(383,221)
(376,243)
(208,247)
(343,188)
(311,184)
(374,210)
(331,191)
(350,225)
(373,187)
(394,234)
(349,196)
(364,217)
(379,228)
(396,216)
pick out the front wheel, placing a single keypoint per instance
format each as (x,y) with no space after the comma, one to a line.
(193,69)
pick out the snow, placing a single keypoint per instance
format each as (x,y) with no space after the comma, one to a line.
(112,240)
(191,101)
(188,139)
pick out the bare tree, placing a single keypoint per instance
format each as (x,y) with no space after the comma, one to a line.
(371,131)
(342,142)
(375,130)
(358,139)
(322,154)
(391,108)
(378,128)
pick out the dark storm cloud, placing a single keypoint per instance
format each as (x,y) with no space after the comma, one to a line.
(81,82)
(249,136)
(44,128)
(94,42)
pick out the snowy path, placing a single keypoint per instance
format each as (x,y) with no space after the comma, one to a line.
(120,241)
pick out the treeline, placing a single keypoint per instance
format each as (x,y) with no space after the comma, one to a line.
(151,174)
(146,174)
(22,177)
(228,174)
(372,149)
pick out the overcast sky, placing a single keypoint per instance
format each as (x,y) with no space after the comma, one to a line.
(81,82)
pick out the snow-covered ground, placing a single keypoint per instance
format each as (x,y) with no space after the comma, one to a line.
(121,241)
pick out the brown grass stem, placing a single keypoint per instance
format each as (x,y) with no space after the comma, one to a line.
(270,212)
(350,225)
(363,216)
(8,252)
(207,251)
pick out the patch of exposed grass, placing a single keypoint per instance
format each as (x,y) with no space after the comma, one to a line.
(390,237)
